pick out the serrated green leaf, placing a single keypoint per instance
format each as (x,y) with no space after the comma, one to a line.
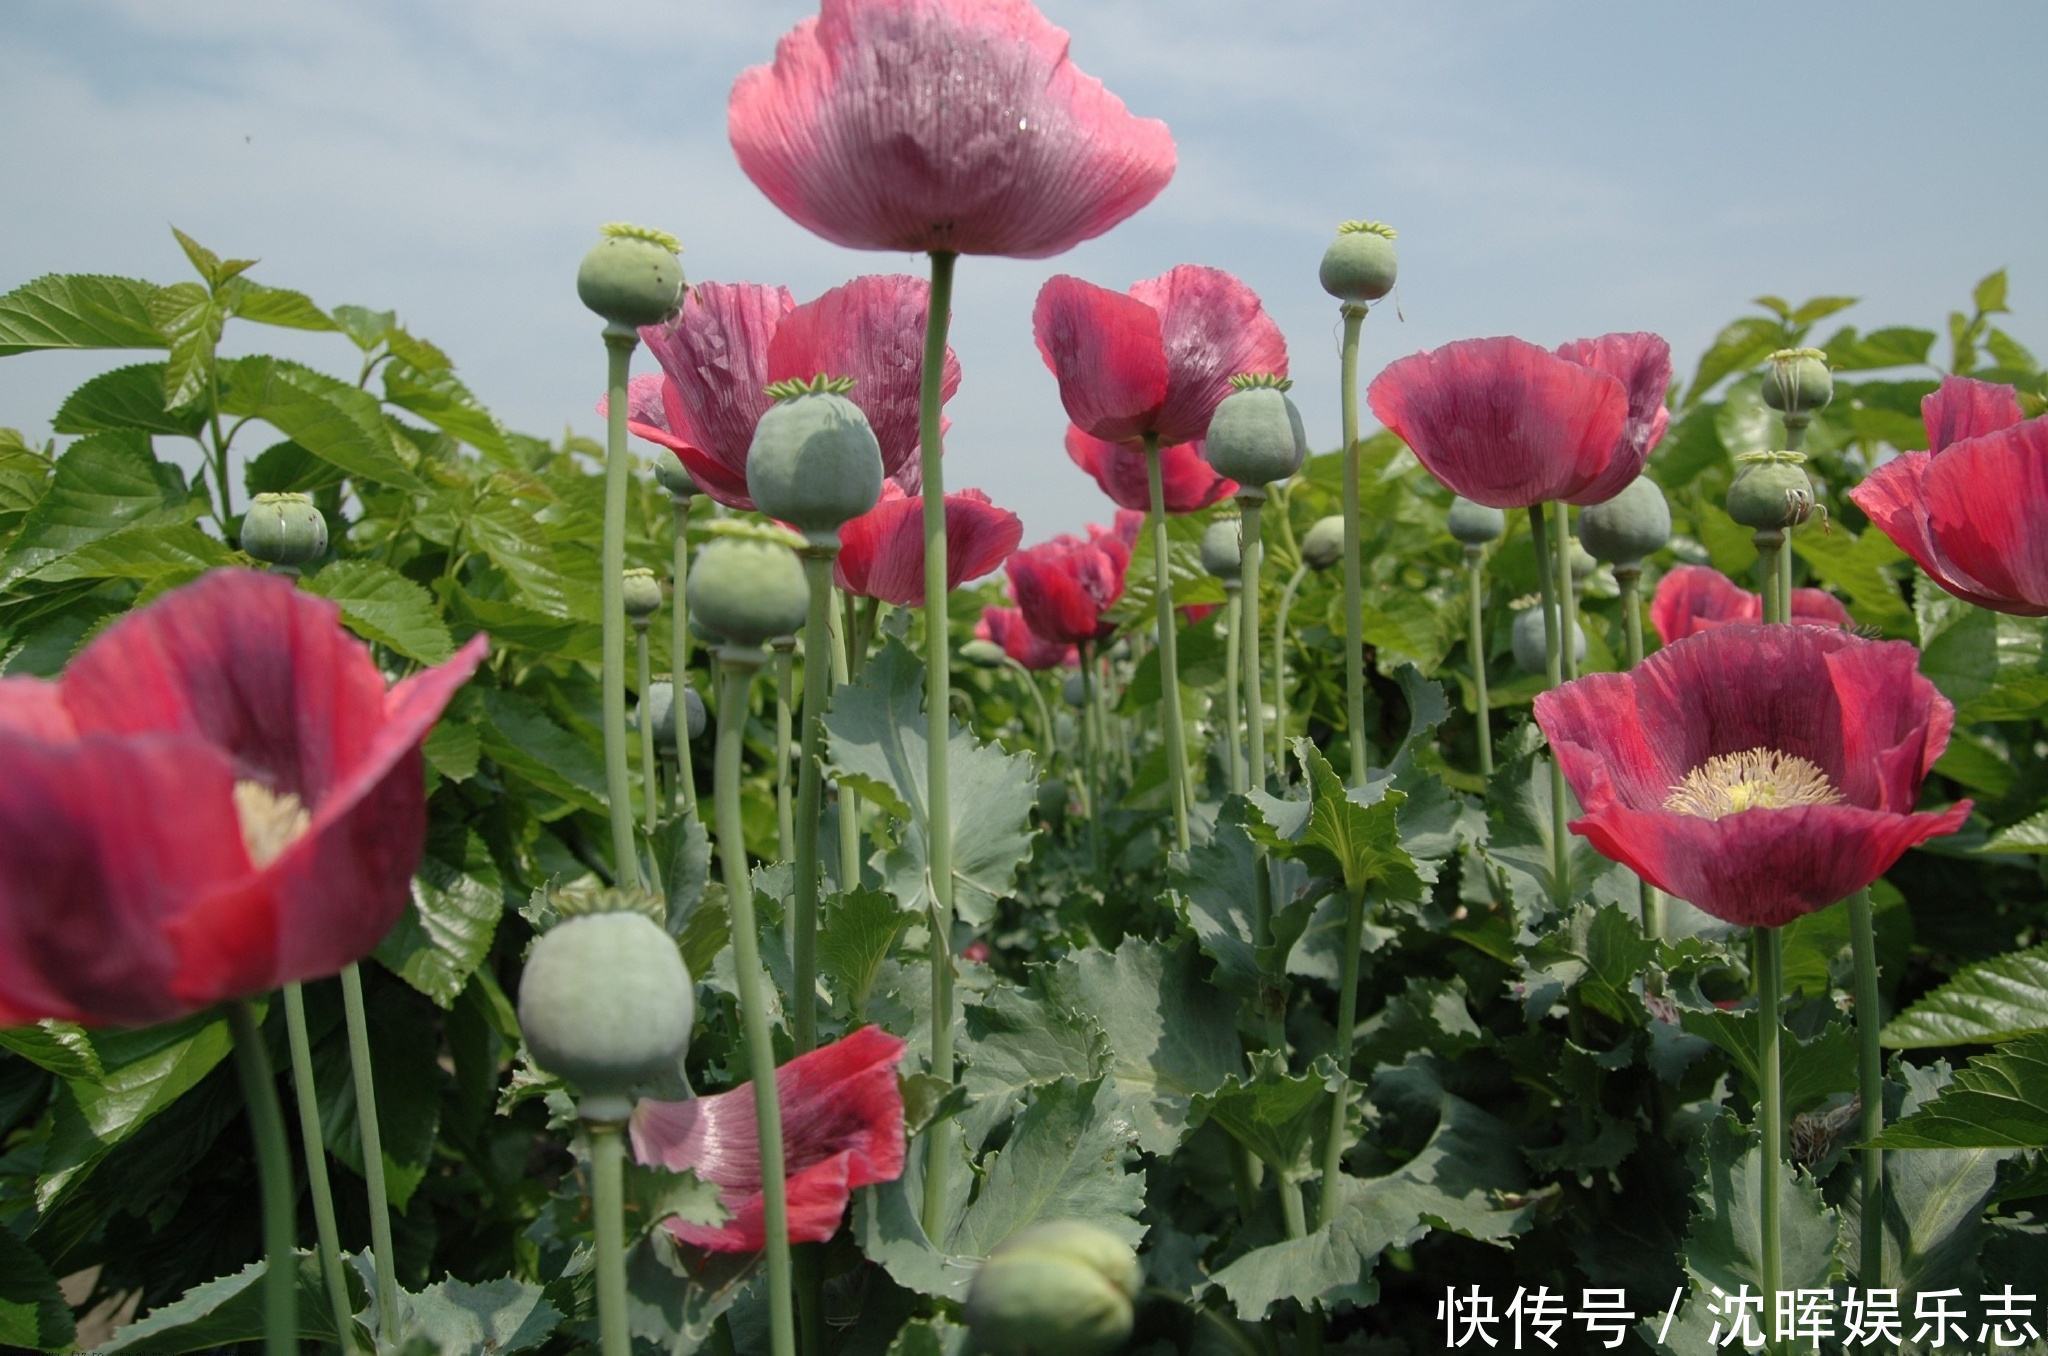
(1996,1101)
(506,530)
(1064,1160)
(79,310)
(1724,1246)
(102,483)
(364,327)
(1272,1112)
(454,748)
(2030,835)
(127,397)
(443,401)
(409,1084)
(1214,892)
(855,932)
(1346,835)
(457,900)
(33,1314)
(278,306)
(382,605)
(190,321)
(1820,308)
(61,1048)
(1809,1070)
(1934,1228)
(148,553)
(330,419)
(501,1315)
(1993,667)
(226,1311)
(1994,1000)
(287,468)
(521,738)
(24,476)
(1857,566)
(1739,346)
(655,1194)
(930,1337)
(1014,1040)
(1989,294)
(1598,950)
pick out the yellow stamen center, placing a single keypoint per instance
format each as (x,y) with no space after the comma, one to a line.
(271,820)
(1758,779)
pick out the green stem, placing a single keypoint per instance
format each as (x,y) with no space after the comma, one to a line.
(1870,1084)
(608,1221)
(1769,545)
(1482,710)
(308,1097)
(1291,1212)
(1630,577)
(1347,1029)
(1233,751)
(619,341)
(738,667)
(1252,555)
(360,1068)
(1567,595)
(1771,1111)
(650,779)
(785,689)
(1354,637)
(1280,666)
(1560,847)
(1030,682)
(848,798)
(679,651)
(810,795)
(274,1180)
(1169,648)
(1091,755)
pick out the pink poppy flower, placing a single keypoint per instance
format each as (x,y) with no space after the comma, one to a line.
(715,355)
(653,411)
(1064,586)
(942,126)
(1157,360)
(1695,598)
(842,1128)
(1188,479)
(881,553)
(1006,627)
(218,796)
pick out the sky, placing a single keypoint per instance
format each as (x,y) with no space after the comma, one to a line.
(1555,170)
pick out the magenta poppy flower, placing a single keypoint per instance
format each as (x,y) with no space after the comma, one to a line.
(219,795)
(1188,479)
(1064,586)
(1510,425)
(881,553)
(1761,772)
(842,1128)
(715,355)
(1157,360)
(1006,627)
(1695,598)
(1973,511)
(942,126)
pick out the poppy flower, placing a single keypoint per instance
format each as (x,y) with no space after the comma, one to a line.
(1695,598)
(881,553)
(715,355)
(1510,425)
(1157,360)
(1188,479)
(1196,613)
(1064,586)
(218,795)
(1006,627)
(842,1128)
(955,126)
(1761,772)
(650,398)
(1973,510)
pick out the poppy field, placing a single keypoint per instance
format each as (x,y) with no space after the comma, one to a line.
(1560,870)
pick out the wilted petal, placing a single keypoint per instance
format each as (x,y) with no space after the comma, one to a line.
(715,352)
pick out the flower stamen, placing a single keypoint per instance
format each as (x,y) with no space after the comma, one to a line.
(271,820)
(1756,779)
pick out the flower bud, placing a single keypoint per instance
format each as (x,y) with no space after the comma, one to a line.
(1255,437)
(673,476)
(284,529)
(1475,524)
(632,277)
(1323,544)
(1062,1287)
(1629,526)
(1221,552)
(1772,492)
(1359,266)
(1531,653)
(747,587)
(1797,381)
(642,593)
(606,1005)
(1074,691)
(814,462)
(983,654)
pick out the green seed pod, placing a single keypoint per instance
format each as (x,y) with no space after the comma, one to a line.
(606,1005)
(983,654)
(1074,691)
(284,529)
(673,476)
(1221,552)
(747,587)
(1052,800)
(814,462)
(1061,1288)
(642,592)
(1531,655)
(1798,382)
(1582,563)
(660,708)
(1359,266)
(1323,544)
(1255,436)
(1629,526)
(1773,491)
(1476,524)
(694,718)
(632,277)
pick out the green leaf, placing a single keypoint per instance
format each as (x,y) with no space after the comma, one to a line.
(330,419)
(102,483)
(521,738)
(1214,892)
(1989,294)
(191,321)
(457,900)
(501,1315)
(443,401)
(61,1048)
(1994,1000)
(1351,834)
(287,468)
(278,306)
(127,397)
(1934,1228)
(1186,579)
(655,1194)
(1014,1040)
(454,748)
(1273,1113)
(1857,566)
(409,1083)
(1725,1244)
(24,478)
(930,1337)
(160,555)
(364,327)
(1598,950)
(79,310)
(2030,835)
(382,605)
(206,263)
(1993,667)
(33,1314)
(1064,1160)
(855,932)
(509,534)
(1739,346)
(226,1311)
(1810,1071)
(1893,346)
(1820,308)
(1996,1101)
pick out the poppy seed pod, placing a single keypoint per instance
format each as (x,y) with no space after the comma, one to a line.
(747,587)
(605,1004)
(1061,1286)
(673,476)
(659,709)
(1074,691)
(1772,493)
(284,529)
(983,654)
(1222,554)
(814,462)
(1629,526)
(1359,266)
(631,277)
(1475,524)
(694,718)
(1531,653)
(1797,381)
(1256,436)
(1323,544)
(642,593)
(1582,564)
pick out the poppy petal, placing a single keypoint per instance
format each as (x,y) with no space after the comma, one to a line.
(1213,327)
(715,354)
(1107,351)
(1964,408)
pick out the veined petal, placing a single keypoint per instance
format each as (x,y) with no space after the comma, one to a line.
(882,551)
(1189,481)
(1213,328)
(715,352)
(1965,408)
(1108,353)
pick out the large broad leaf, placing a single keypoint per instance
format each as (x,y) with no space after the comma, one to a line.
(24,476)
(505,1315)
(61,1048)
(1274,1113)
(1518,818)
(1740,345)
(1214,887)
(409,1083)
(102,484)
(1809,1070)
(443,401)
(1993,667)
(1600,951)
(382,605)
(1186,579)
(127,397)
(1934,1227)
(330,419)
(1993,1000)
(1996,1101)
(675,1296)
(1351,834)
(505,529)
(78,310)
(2029,836)
(876,737)
(1857,566)
(522,739)
(855,934)
(1171,1035)
(33,1315)
(278,306)
(1014,1040)
(457,900)
(223,1312)
(158,555)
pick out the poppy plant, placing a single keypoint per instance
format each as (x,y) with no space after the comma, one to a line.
(1695,598)
(1006,627)
(1064,586)
(881,553)
(1190,482)
(842,1128)
(218,796)
(1761,772)
(1972,510)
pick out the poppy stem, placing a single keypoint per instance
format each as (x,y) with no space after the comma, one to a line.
(1280,667)
(1482,713)
(274,1178)
(308,1097)
(1347,1029)
(1770,1114)
(785,687)
(1251,560)
(1567,595)
(737,667)
(619,342)
(810,794)
(1233,751)
(1169,646)
(608,1223)
(1030,682)
(1354,622)
(1870,1085)
(679,651)
(1769,546)
(1560,847)
(357,1020)
(938,702)
(1091,754)
(1630,578)
(848,799)
(650,779)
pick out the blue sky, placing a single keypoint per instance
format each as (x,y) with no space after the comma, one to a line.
(1554,169)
